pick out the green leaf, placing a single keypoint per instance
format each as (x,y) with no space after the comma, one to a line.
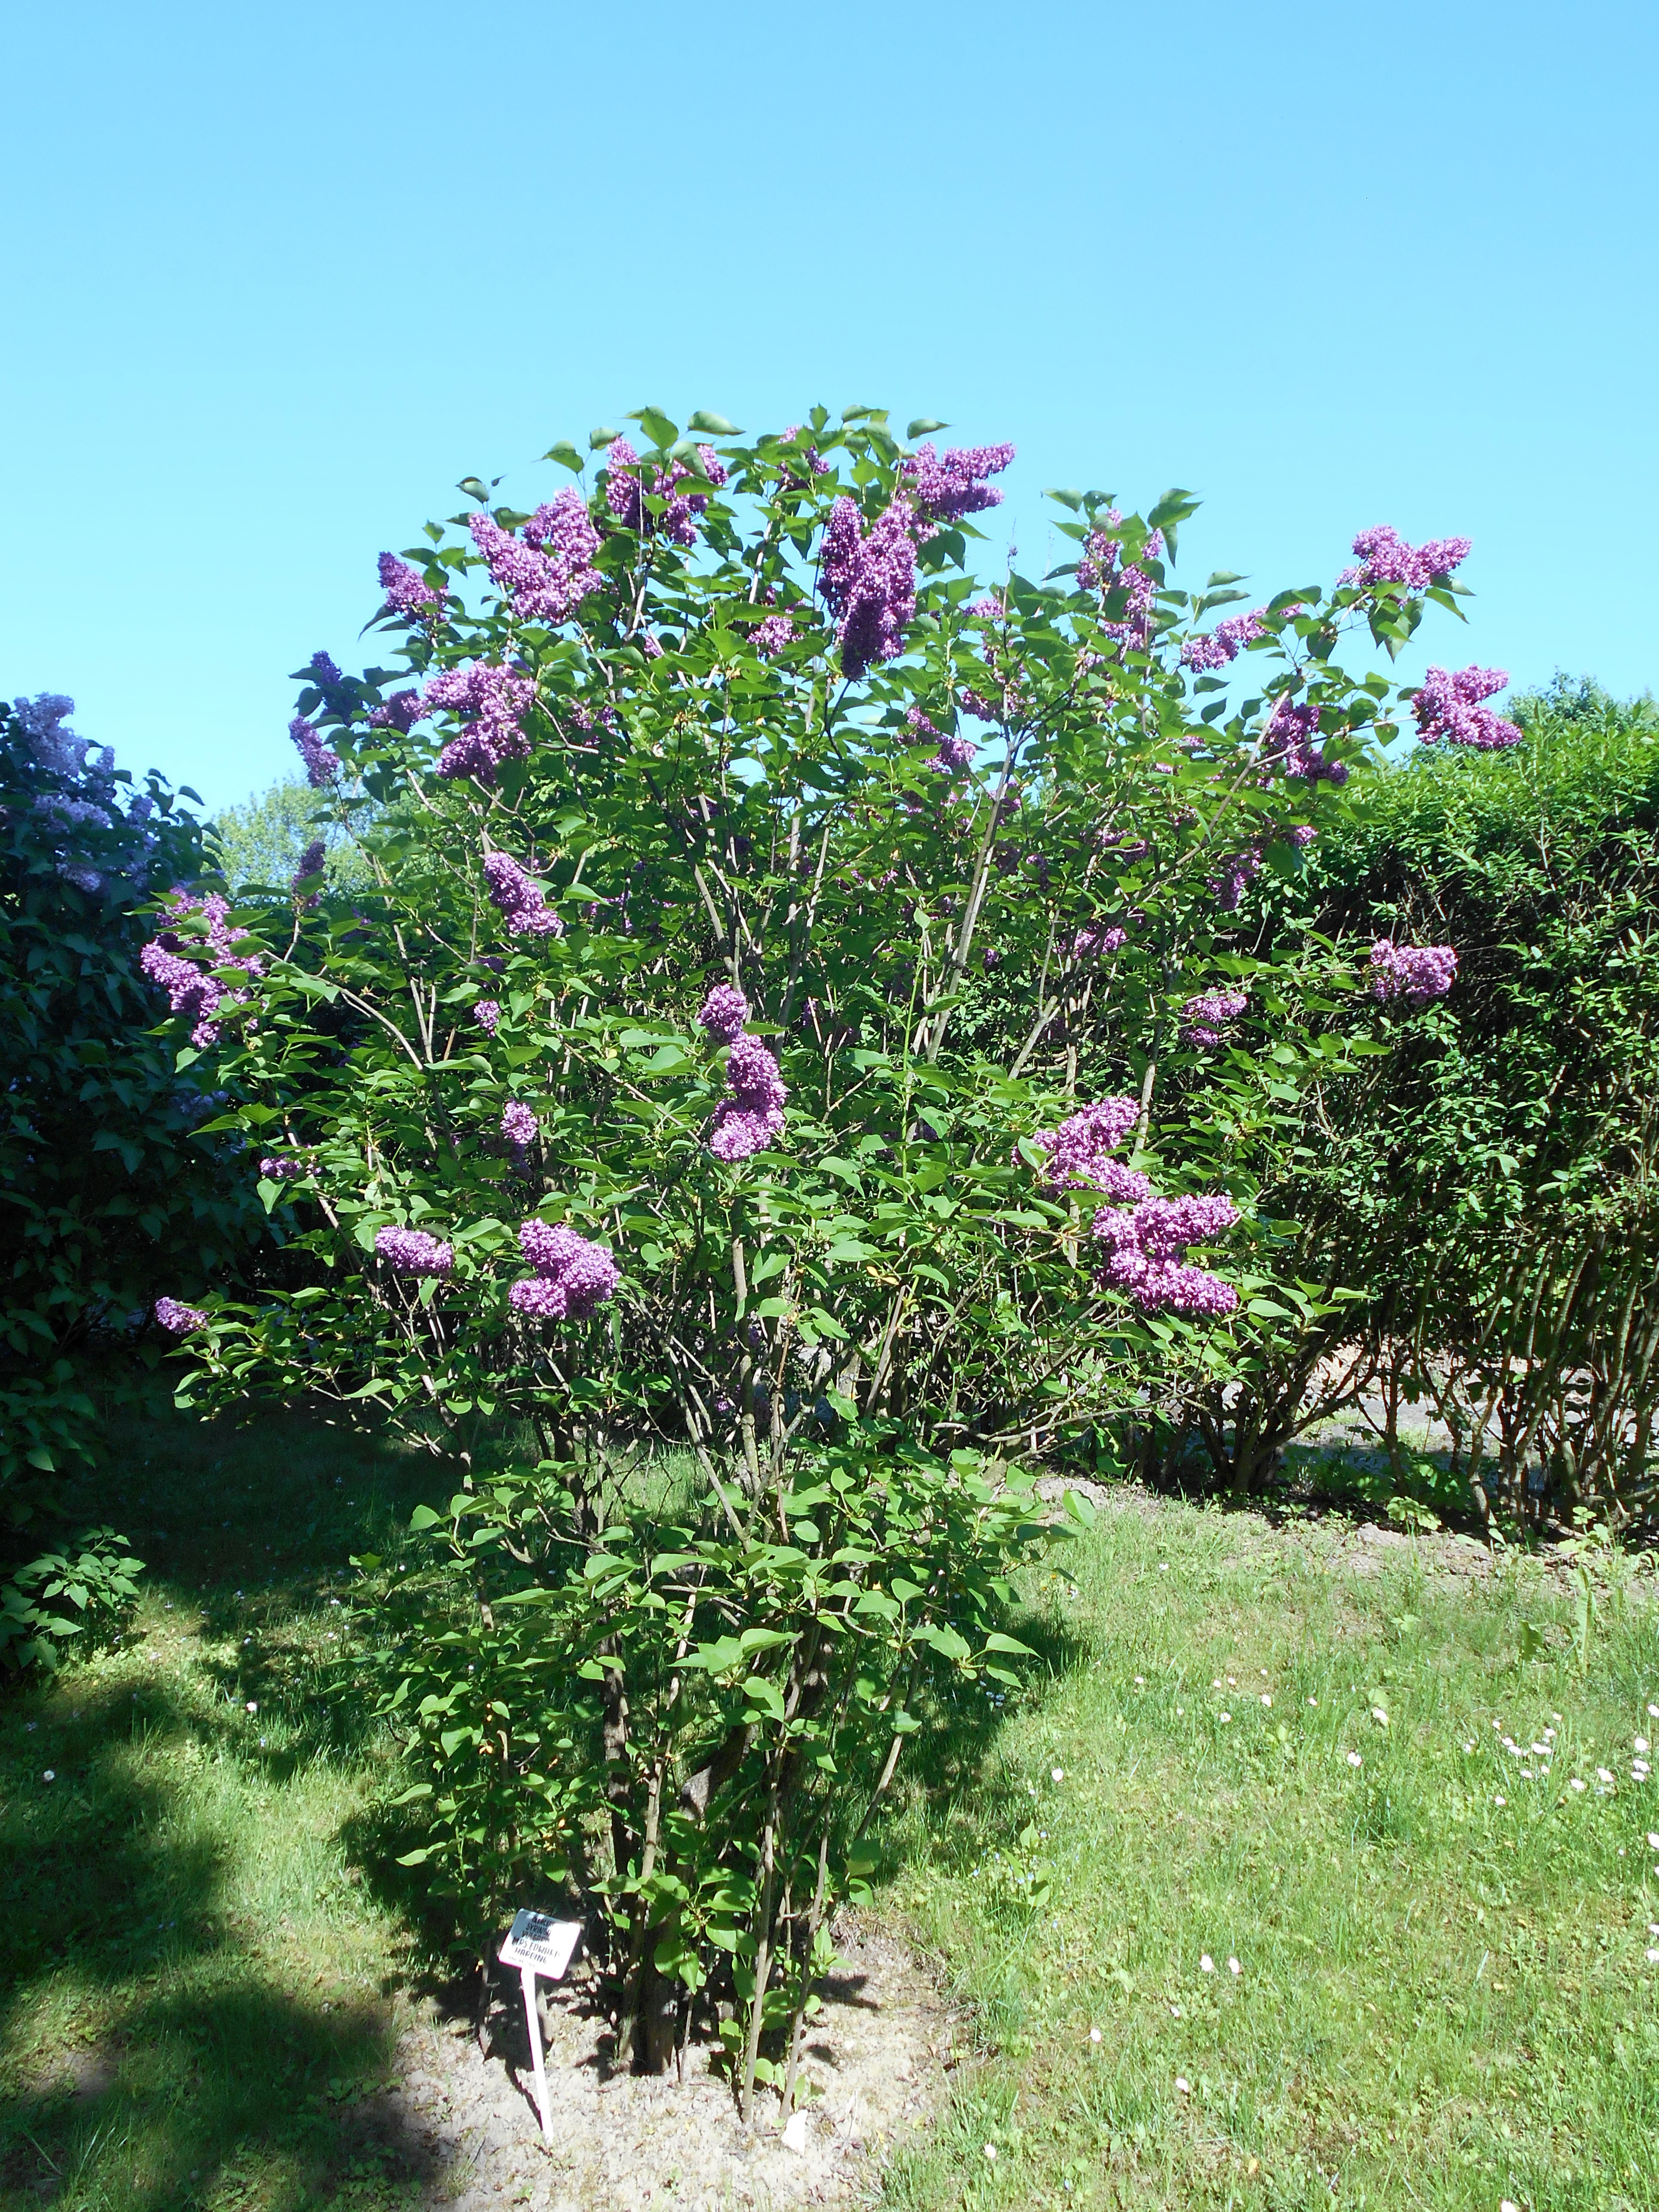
(922,425)
(716,426)
(565,455)
(424,1517)
(602,437)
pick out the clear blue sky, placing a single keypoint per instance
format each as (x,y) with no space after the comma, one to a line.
(276,278)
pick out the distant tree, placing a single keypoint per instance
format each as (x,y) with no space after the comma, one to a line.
(262,842)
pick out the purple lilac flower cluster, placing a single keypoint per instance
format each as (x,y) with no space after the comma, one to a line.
(572,1276)
(519,1127)
(1078,1151)
(92,802)
(286,1167)
(311,866)
(1144,1250)
(816,464)
(549,570)
(413,1252)
(626,491)
(1416,973)
(752,1117)
(1386,558)
(1225,642)
(773,635)
(1204,1016)
(951,754)
(400,712)
(487,1014)
(946,486)
(190,990)
(322,762)
(178,1320)
(723,1012)
(1103,570)
(1289,745)
(869,581)
(519,898)
(407,592)
(1449,706)
(495,698)
(1237,872)
(1093,942)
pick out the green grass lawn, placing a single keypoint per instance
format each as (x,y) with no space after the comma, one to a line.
(1441,2000)
(1254,1907)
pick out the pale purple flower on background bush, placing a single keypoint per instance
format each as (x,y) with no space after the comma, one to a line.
(487,1014)
(322,762)
(1238,871)
(284,1167)
(724,1012)
(752,1117)
(1416,973)
(572,1276)
(946,486)
(1204,1015)
(626,489)
(1092,941)
(1144,1248)
(548,571)
(1289,745)
(190,991)
(407,592)
(495,698)
(773,635)
(1225,642)
(952,755)
(413,1252)
(868,581)
(178,1320)
(310,867)
(400,712)
(1078,1151)
(1386,558)
(1449,706)
(519,1127)
(1102,569)
(522,901)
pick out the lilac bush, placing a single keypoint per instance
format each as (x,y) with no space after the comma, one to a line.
(832,942)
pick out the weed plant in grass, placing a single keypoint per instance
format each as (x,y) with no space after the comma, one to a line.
(194,1982)
(1295,1884)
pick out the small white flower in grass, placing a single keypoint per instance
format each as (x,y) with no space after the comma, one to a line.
(1653,1839)
(1354,1759)
(1216,1683)
(1265,1699)
(1576,1784)
(1163,1566)
(1379,1717)
(1181,1712)
(1468,1746)
(1653,1956)
(251,1707)
(1057,1774)
(1500,1800)
(1508,2204)
(1313,1701)
(1174,2011)
(1233,1967)
(49,1775)
(1094,2035)
(1262,1672)
(1207,1964)
(1653,1712)
(1141,1681)
(1232,1681)
(1601,1774)
(991,2152)
(1225,1717)
(1183,2085)
(1641,1743)
(1653,1926)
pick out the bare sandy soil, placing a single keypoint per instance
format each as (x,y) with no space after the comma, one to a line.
(876,2060)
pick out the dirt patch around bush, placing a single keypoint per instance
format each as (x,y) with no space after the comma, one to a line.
(877,2060)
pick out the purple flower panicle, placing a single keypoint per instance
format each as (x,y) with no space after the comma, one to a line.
(724,1012)
(946,486)
(869,582)
(521,900)
(1092,941)
(487,1014)
(1078,1151)
(519,1127)
(412,1252)
(407,592)
(322,762)
(178,1320)
(572,1276)
(1204,1015)
(1225,642)
(400,712)
(190,991)
(1386,558)
(752,1117)
(495,699)
(1142,1250)
(1448,706)
(285,1167)
(1416,973)
(548,571)
(1103,570)
(628,486)
(774,635)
